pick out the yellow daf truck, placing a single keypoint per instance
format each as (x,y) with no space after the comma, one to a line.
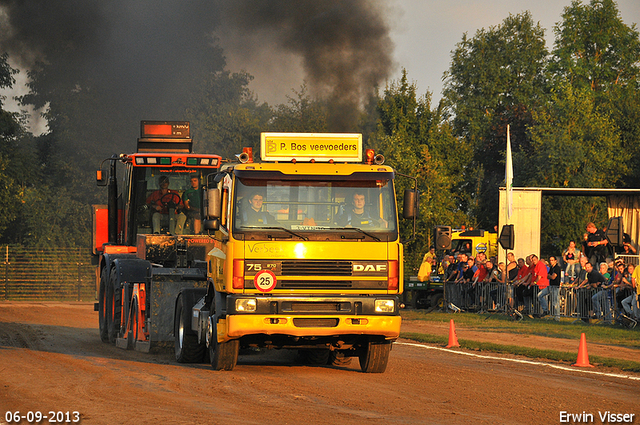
(307,255)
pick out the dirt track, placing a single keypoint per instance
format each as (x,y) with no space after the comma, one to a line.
(51,359)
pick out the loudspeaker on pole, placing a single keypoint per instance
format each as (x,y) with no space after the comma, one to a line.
(442,237)
(507,237)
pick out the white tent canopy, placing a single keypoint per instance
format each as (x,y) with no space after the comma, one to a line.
(527,212)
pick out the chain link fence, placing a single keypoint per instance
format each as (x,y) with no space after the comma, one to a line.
(61,274)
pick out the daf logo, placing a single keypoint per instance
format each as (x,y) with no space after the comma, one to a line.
(369,268)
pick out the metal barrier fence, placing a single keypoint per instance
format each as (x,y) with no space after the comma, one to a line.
(579,303)
(62,274)
(629,259)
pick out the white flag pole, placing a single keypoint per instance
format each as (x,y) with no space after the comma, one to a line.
(509,176)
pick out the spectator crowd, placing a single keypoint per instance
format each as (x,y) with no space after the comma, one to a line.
(603,280)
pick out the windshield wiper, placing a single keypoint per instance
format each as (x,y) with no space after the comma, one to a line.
(304,238)
(357,229)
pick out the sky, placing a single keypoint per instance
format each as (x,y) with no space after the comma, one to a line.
(426,31)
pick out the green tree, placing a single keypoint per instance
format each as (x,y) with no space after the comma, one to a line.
(623,103)
(573,141)
(594,48)
(417,141)
(9,124)
(588,134)
(11,131)
(496,78)
(301,114)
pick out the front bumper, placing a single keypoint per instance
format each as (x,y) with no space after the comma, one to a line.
(306,315)
(238,326)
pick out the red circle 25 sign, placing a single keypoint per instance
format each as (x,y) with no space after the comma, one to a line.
(265,281)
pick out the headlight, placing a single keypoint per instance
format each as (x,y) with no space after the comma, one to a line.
(246,305)
(385,306)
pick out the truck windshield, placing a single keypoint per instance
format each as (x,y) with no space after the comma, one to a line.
(349,208)
(167,200)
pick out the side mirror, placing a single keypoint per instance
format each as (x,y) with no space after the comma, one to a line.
(213,203)
(211,224)
(410,204)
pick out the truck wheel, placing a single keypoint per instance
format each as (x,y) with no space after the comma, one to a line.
(437,301)
(414,300)
(337,358)
(187,348)
(223,355)
(315,356)
(375,356)
(114,306)
(103,306)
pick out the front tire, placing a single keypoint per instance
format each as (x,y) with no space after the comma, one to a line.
(223,355)
(375,356)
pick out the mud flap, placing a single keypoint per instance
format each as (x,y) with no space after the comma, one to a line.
(164,287)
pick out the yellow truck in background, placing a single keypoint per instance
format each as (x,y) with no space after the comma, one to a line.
(474,242)
(430,293)
(308,254)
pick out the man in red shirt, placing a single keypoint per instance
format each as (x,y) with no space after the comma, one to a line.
(160,201)
(481,272)
(539,276)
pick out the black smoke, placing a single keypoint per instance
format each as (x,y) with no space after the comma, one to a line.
(344,46)
(126,60)
(139,59)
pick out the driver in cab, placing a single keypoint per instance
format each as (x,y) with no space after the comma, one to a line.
(163,199)
(255,215)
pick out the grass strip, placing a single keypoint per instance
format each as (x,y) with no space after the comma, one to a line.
(567,328)
(534,353)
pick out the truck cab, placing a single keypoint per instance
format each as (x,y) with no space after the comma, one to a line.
(310,255)
(146,231)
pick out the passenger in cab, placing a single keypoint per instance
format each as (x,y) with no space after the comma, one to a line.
(192,202)
(358,216)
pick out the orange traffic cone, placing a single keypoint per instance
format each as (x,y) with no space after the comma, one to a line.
(453,338)
(583,356)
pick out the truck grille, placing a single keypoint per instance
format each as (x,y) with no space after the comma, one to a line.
(315,323)
(312,284)
(316,307)
(316,268)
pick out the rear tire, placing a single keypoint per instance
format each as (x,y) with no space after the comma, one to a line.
(337,358)
(375,356)
(187,347)
(103,321)
(114,307)
(223,355)
(315,356)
